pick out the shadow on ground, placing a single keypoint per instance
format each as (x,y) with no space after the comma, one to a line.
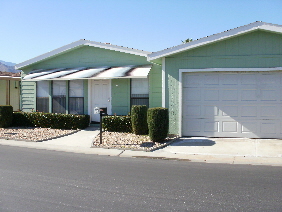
(193,142)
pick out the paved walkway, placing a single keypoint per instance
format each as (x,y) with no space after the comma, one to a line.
(210,150)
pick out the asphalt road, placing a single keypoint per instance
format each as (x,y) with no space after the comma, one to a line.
(42,180)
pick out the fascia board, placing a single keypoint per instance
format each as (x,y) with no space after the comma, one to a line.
(118,48)
(272,28)
(215,38)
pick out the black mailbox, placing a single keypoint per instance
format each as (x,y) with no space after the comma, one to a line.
(103,111)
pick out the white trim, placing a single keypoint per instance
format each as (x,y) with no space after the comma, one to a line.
(163,82)
(180,90)
(80,43)
(230,69)
(216,37)
(89,98)
(181,71)
(110,106)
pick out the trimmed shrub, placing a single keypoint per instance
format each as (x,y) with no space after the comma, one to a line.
(117,123)
(158,123)
(21,119)
(51,120)
(139,119)
(6,115)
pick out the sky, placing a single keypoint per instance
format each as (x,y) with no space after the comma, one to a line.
(29,28)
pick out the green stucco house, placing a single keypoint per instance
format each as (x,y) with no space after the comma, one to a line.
(224,85)
(83,76)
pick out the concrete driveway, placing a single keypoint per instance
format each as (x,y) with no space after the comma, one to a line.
(227,146)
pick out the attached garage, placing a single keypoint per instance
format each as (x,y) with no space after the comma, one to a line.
(232,103)
(225,85)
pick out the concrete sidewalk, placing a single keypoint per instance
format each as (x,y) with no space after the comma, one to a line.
(210,150)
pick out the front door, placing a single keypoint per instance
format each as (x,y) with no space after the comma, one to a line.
(101,97)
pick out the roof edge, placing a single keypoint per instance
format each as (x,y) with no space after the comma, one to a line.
(81,42)
(216,37)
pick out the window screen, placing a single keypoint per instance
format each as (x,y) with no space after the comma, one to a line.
(76,97)
(59,96)
(42,96)
(140,92)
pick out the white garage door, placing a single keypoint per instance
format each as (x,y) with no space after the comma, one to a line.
(232,104)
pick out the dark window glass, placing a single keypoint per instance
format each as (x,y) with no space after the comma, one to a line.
(42,96)
(59,104)
(140,92)
(42,104)
(59,96)
(76,105)
(76,97)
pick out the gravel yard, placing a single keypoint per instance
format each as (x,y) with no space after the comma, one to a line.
(32,133)
(114,140)
(131,141)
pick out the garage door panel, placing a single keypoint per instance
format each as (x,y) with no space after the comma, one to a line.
(211,126)
(249,95)
(210,111)
(269,95)
(269,78)
(194,94)
(211,95)
(230,110)
(229,79)
(249,111)
(192,80)
(230,126)
(233,105)
(269,111)
(193,110)
(248,79)
(192,126)
(211,79)
(267,127)
(249,127)
(229,95)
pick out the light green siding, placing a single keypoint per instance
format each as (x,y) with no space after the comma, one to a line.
(259,49)
(28,97)
(155,87)
(88,56)
(120,96)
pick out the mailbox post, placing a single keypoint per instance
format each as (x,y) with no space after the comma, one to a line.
(103,112)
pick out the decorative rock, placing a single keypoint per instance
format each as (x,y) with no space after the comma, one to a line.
(32,133)
(129,141)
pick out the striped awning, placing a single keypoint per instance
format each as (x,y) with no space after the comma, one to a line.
(105,72)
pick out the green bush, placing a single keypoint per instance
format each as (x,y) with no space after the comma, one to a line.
(139,119)
(117,123)
(158,123)
(6,115)
(21,119)
(51,120)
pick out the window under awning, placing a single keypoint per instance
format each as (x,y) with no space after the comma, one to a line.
(105,72)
